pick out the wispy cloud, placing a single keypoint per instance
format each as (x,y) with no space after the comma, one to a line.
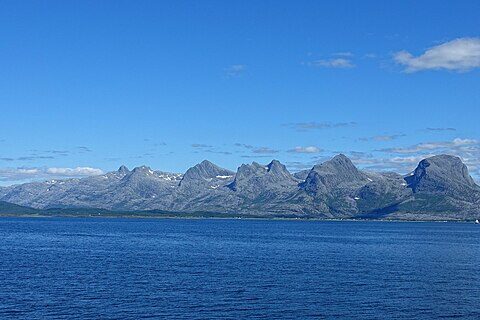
(155,143)
(219,152)
(243,145)
(257,150)
(255,156)
(24,174)
(200,145)
(264,150)
(407,163)
(456,145)
(83,149)
(36,155)
(366,160)
(206,148)
(398,164)
(441,129)
(306,126)
(370,55)
(383,137)
(78,171)
(343,54)
(405,157)
(235,70)
(309,149)
(338,63)
(460,55)
(27,158)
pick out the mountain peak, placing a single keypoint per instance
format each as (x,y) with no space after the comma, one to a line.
(123,169)
(205,170)
(439,188)
(251,177)
(254,164)
(340,164)
(440,174)
(141,169)
(206,163)
(208,168)
(275,167)
(340,157)
(338,171)
(343,160)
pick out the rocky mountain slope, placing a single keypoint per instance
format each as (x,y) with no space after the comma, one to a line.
(439,188)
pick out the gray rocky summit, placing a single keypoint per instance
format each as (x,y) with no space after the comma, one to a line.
(255,178)
(441,174)
(338,173)
(206,173)
(439,188)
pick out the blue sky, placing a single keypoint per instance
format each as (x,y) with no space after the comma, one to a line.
(87,86)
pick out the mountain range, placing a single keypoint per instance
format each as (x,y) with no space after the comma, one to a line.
(440,188)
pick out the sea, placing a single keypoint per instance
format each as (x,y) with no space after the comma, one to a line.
(125,268)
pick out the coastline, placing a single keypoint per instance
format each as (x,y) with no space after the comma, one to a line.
(206,217)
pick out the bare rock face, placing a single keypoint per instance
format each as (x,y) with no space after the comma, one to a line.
(206,173)
(442,185)
(301,175)
(252,179)
(203,188)
(442,174)
(336,174)
(335,183)
(439,188)
(383,191)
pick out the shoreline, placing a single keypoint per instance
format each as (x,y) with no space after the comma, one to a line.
(188,217)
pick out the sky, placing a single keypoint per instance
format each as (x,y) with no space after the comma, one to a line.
(86,86)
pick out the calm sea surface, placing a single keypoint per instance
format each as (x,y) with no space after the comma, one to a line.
(234,269)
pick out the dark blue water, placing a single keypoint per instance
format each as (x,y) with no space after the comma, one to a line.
(189,269)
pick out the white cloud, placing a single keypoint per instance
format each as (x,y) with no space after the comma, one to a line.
(461,55)
(309,149)
(388,137)
(264,150)
(399,164)
(383,137)
(305,126)
(257,150)
(408,160)
(440,129)
(463,142)
(340,63)
(370,55)
(343,54)
(453,146)
(78,171)
(235,70)
(201,145)
(407,157)
(24,174)
(27,171)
